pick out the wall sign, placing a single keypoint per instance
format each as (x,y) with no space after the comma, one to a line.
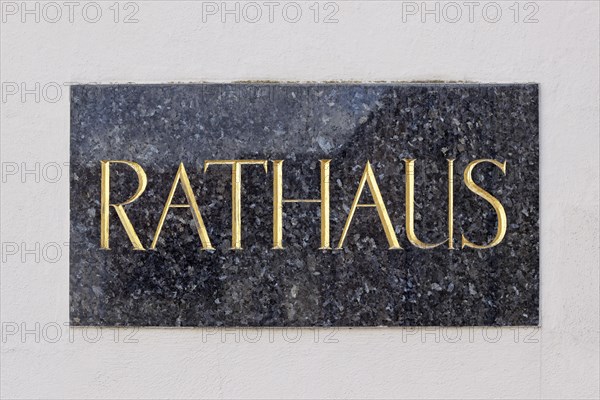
(304,205)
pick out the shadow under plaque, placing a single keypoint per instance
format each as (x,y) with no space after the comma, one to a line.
(178,282)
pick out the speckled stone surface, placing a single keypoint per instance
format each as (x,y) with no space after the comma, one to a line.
(365,284)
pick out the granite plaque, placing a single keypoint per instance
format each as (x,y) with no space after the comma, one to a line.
(304,205)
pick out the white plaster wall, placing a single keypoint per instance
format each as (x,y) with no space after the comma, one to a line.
(170,42)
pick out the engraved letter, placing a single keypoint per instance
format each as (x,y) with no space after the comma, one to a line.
(369,178)
(410,206)
(236,194)
(502,223)
(278,201)
(191,199)
(105,203)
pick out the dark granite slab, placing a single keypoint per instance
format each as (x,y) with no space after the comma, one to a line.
(365,283)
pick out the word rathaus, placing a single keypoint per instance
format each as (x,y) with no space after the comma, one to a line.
(368,178)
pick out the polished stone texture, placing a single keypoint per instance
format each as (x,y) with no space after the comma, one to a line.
(365,284)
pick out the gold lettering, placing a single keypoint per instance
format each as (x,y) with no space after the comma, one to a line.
(191,199)
(369,178)
(105,203)
(236,194)
(410,206)
(502,222)
(451,203)
(278,201)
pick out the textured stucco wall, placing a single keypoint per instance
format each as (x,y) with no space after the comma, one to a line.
(370,41)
